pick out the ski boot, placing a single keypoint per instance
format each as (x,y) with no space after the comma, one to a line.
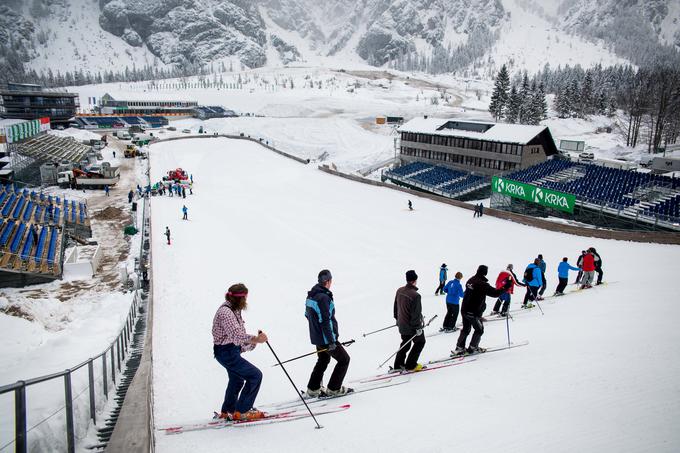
(401,369)
(459,351)
(476,350)
(321,391)
(339,392)
(252,414)
(418,367)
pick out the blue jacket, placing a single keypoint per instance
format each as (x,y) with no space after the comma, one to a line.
(320,312)
(442,274)
(542,266)
(537,274)
(454,291)
(564,268)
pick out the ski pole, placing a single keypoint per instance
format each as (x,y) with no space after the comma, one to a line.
(507,326)
(404,345)
(539,306)
(379,330)
(346,343)
(294,386)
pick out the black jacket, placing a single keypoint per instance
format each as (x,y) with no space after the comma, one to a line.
(477,289)
(408,310)
(320,312)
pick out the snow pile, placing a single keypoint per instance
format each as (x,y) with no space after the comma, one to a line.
(586,382)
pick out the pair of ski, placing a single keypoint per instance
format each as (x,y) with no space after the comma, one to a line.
(273,417)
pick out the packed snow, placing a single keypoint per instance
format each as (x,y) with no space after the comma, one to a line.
(599,374)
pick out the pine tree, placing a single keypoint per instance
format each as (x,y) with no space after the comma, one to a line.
(586,101)
(514,103)
(562,103)
(525,100)
(499,98)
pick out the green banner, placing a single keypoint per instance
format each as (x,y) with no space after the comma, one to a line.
(534,194)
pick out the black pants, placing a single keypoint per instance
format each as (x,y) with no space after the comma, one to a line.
(440,288)
(599,274)
(471,321)
(322,361)
(578,277)
(563,284)
(532,292)
(416,347)
(451,316)
(544,285)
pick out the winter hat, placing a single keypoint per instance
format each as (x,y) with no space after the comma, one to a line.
(482,270)
(411,276)
(510,267)
(444,265)
(324,276)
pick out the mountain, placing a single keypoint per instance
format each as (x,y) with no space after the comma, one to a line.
(432,35)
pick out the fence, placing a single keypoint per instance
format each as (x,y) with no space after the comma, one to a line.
(111,360)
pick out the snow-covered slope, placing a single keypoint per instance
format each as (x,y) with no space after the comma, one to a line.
(600,372)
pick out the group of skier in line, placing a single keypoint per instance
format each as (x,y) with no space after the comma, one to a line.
(230,338)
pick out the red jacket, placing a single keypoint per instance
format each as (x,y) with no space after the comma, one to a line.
(588,262)
(502,278)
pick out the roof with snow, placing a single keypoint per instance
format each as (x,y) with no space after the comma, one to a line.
(480,130)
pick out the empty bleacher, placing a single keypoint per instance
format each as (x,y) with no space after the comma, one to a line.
(632,194)
(121,122)
(51,148)
(31,229)
(437,179)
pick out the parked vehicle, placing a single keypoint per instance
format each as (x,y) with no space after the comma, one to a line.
(186,131)
(92,178)
(585,155)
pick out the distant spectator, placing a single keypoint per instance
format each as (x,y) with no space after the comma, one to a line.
(106,189)
(167,234)
(184,212)
(131,195)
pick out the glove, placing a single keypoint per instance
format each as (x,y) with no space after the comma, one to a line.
(419,332)
(331,347)
(508,284)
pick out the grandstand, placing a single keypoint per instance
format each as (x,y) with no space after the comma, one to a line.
(32,233)
(437,179)
(633,195)
(206,112)
(50,148)
(120,122)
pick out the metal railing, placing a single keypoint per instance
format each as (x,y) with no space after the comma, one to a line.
(112,362)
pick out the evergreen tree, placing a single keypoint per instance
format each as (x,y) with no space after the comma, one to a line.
(586,100)
(499,98)
(525,100)
(562,103)
(514,103)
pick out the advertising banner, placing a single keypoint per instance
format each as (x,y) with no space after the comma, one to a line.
(534,194)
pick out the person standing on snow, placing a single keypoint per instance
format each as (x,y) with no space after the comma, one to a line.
(481,209)
(408,311)
(131,195)
(598,265)
(544,283)
(454,291)
(563,275)
(533,280)
(185,210)
(410,206)
(443,271)
(167,234)
(323,333)
(505,298)
(229,341)
(579,263)
(588,270)
(477,289)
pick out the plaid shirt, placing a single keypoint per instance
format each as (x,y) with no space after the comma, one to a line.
(228,327)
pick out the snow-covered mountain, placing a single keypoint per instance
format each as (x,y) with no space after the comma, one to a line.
(102,35)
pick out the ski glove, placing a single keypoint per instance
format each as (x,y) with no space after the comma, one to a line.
(331,347)
(419,332)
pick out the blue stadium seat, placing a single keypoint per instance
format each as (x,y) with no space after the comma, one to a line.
(51,251)
(18,236)
(41,245)
(6,233)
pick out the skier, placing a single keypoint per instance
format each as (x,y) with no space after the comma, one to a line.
(229,341)
(184,192)
(408,311)
(167,234)
(476,213)
(505,298)
(541,265)
(477,289)
(131,195)
(114,154)
(323,333)
(588,270)
(563,275)
(533,280)
(579,263)
(410,206)
(481,209)
(454,291)
(442,280)
(598,265)
(184,212)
